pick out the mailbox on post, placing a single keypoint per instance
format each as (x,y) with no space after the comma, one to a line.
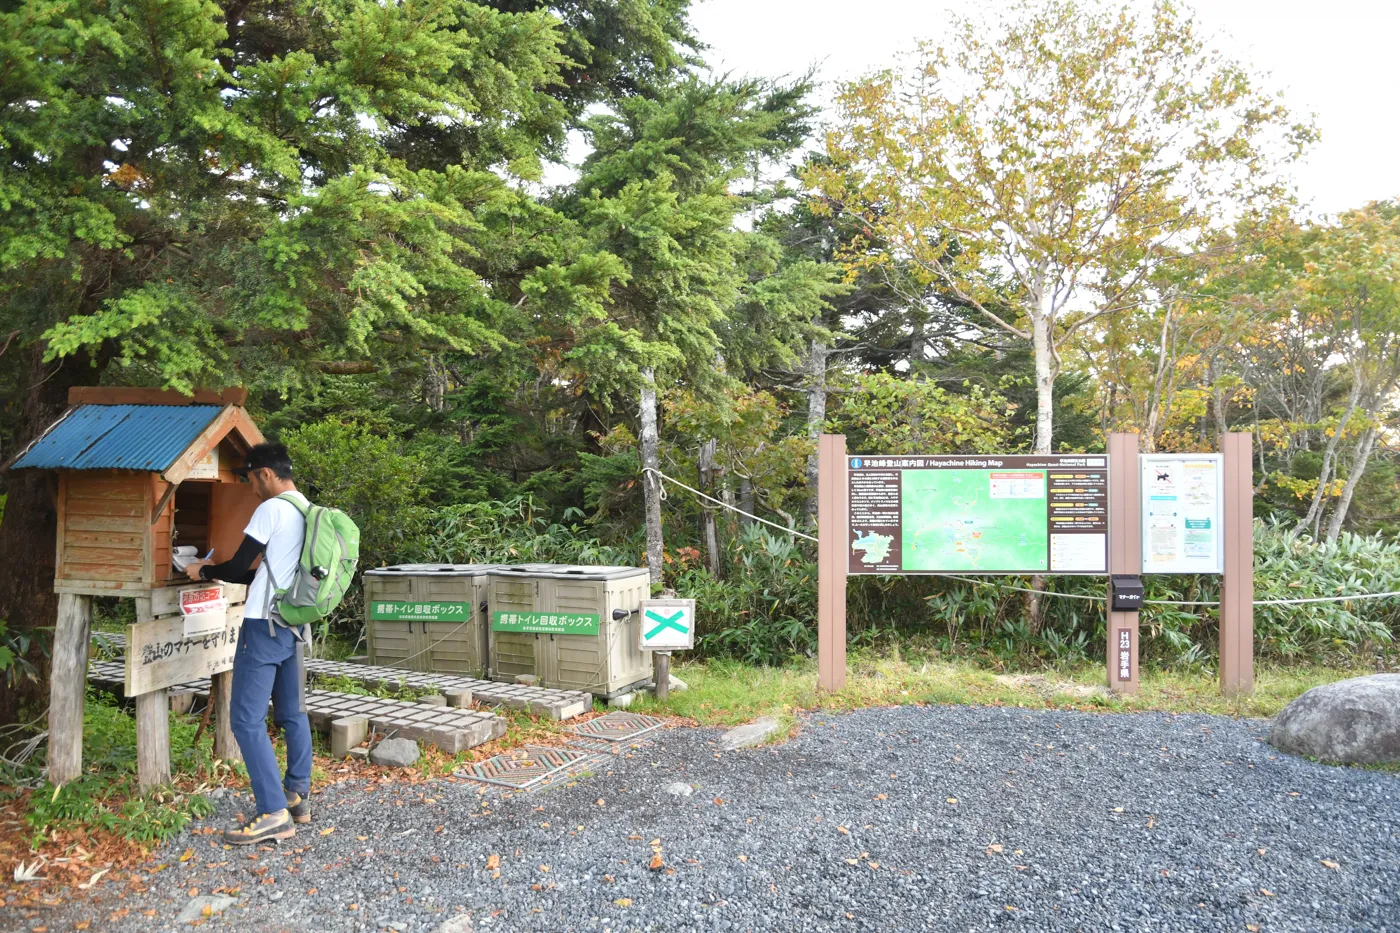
(144,483)
(1126,591)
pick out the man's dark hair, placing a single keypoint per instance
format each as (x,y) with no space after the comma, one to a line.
(272,456)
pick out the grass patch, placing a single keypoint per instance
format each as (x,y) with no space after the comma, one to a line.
(105,797)
(728,693)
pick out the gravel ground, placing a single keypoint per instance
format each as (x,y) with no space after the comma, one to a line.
(945,818)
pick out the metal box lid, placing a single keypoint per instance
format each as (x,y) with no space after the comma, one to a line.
(433,570)
(570,571)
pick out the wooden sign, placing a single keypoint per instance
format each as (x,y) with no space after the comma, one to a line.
(158,654)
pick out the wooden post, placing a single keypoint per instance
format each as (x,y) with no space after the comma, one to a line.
(152,723)
(68,687)
(225,746)
(1237,582)
(833,548)
(1124,556)
(153,739)
(661,669)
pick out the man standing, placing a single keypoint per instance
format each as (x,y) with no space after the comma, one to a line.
(266,664)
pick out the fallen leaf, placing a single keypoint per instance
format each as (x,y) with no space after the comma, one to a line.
(952,800)
(311,892)
(609,879)
(635,838)
(874,866)
(493,862)
(187,855)
(1252,927)
(743,858)
(843,830)
(82,924)
(1151,822)
(194,892)
(623,902)
(1117,809)
(719,802)
(544,868)
(995,848)
(1009,907)
(1266,892)
(1331,864)
(1261,851)
(852,861)
(601,803)
(656,864)
(882,796)
(328,830)
(351,907)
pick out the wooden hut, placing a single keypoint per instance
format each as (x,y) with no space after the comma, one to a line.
(139,473)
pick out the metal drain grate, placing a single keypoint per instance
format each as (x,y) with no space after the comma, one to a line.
(618,726)
(525,767)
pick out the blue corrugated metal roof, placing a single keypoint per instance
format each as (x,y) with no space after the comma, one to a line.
(125,437)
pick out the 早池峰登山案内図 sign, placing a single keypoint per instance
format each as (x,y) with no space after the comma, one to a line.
(386,610)
(545,623)
(978,514)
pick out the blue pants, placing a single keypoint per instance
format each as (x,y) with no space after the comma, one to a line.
(265,668)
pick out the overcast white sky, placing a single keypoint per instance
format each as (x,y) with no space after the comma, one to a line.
(1334,59)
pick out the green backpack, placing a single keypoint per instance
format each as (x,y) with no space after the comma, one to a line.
(327,566)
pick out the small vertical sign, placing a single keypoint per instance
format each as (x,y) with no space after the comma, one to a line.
(1125,655)
(668,624)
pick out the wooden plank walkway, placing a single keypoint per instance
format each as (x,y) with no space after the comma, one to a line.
(542,701)
(449,728)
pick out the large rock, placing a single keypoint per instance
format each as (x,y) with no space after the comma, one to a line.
(395,753)
(749,734)
(1354,721)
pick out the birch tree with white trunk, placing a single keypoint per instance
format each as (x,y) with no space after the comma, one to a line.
(1054,157)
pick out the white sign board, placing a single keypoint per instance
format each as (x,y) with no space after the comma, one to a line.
(207,467)
(1182,513)
(204,610)
(159,655)
(668,624)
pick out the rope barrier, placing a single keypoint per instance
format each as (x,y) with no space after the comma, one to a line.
(659,476)
(656,476)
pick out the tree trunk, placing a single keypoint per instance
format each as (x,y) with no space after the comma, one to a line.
(816,417)
(1358,466)
(709,533)
(1044,384)
(1329,459)
(1044,426)
(29,528)
(68,682)
(1217,398)
(746,500)
(651,459)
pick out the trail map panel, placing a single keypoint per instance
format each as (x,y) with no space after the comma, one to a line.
(979,514)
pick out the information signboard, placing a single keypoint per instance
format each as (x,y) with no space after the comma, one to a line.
(1182,513)
(978,514)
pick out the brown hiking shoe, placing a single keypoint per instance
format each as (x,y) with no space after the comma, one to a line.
(299,807)
(264,828)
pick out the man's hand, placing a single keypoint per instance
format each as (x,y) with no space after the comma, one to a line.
(192,570)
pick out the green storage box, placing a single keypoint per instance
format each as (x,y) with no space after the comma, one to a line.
(556,623)
(428,617)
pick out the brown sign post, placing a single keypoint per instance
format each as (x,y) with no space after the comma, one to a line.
(1124,557)
(1237,583)
(833,518)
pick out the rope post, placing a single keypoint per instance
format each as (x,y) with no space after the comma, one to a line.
(833,544)
(1237,582)
(1124,557)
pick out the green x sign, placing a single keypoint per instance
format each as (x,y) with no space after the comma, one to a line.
(668,624)
(671,621)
